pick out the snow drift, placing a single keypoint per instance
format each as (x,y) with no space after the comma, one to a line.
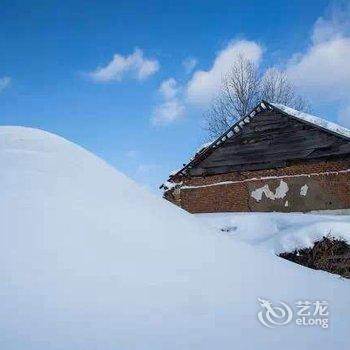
(89,260)
(280,232)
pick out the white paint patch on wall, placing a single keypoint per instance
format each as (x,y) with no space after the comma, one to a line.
(303,190)
(281,192)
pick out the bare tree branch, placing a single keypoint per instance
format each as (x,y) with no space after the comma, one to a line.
(242,88)
(275,87)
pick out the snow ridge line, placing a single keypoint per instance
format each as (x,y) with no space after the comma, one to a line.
(222,183)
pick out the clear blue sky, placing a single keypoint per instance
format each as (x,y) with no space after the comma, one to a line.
(48,49)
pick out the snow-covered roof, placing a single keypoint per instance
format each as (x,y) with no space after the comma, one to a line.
(312,119)
(203,146)
(261,107)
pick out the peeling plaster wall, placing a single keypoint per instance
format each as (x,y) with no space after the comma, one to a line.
(301,187)
(280,192)
(323,193)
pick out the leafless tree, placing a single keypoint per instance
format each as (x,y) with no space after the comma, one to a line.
(275,87)
(242,88)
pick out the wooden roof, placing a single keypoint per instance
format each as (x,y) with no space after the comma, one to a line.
(262,109)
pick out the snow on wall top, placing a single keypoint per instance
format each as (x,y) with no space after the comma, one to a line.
(333,127)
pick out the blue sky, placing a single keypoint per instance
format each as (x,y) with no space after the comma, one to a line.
(129,80)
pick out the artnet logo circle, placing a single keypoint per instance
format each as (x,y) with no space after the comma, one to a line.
(273,316)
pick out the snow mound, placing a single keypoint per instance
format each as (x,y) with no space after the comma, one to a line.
(89,260)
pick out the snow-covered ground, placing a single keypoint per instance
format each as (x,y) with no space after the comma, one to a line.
(279,232)
(90,260)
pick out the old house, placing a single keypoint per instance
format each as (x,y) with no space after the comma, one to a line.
(273,159)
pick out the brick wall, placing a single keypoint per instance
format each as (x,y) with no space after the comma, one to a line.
(322,185)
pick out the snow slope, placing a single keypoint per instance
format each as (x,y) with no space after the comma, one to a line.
(89,260)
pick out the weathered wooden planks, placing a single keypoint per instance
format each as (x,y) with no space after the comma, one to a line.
(269,141)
